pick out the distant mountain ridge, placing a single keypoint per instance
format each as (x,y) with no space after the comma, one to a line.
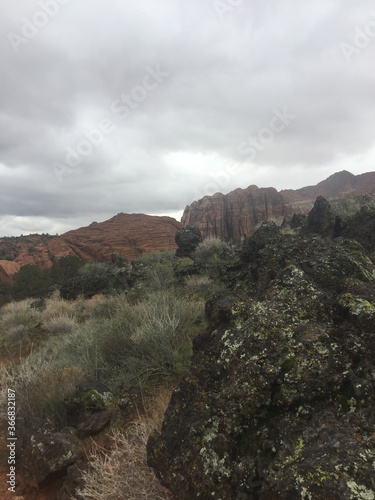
(239,213)
(229,216)
(130,235)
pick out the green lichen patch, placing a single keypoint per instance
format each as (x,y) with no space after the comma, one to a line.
(356,305)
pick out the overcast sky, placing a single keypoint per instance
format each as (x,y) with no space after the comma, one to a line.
(144,106)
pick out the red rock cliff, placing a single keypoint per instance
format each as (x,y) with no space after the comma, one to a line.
(127,234)
(239,212)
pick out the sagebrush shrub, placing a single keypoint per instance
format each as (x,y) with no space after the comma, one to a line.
(61,316)
(139,340)
(161,257)
(212,250)
(17,318)
(55,306)
(159,276)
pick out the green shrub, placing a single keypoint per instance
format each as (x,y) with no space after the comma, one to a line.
(161,257)
(6,293)
(95,278)
(65,269)
(213,250)
(148,338)
(31,281)
(159,276)
(202,285)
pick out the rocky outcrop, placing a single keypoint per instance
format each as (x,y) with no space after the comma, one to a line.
(240,212)
(279,401)
(127,235)
(187,240)
(361,227)
(236,214)
(321,219)
(52,452)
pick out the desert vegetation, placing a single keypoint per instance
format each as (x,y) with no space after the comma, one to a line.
(95,357)
(123,326)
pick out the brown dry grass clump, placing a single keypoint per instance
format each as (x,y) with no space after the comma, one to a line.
(121,473)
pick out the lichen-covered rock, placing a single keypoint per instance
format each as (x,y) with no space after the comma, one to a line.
(50,452)
(266,234)
(279,401)
(89,407)
(321,218)
(90,396)
(361,227)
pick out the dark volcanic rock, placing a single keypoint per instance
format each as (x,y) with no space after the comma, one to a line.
(321,219)
(267,234)
(50,452)
(361,227)
(279,401)
(187,240)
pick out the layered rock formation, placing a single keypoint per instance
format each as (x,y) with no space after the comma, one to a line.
(279,401)
(240,212)
(126,234)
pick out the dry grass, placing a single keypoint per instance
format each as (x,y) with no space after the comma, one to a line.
(61,316)
(18,321)
(123,342)
(40,389)
(55,306)
(17,314)
(59,324)
(121,473)
(100,306)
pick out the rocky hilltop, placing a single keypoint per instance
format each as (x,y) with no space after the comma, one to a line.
(127,234)
(279,399)
(240,212)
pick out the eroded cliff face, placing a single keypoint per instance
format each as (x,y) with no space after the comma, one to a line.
(240,212)
(127,234)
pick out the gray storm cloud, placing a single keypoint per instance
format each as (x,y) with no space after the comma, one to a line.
(142,107)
